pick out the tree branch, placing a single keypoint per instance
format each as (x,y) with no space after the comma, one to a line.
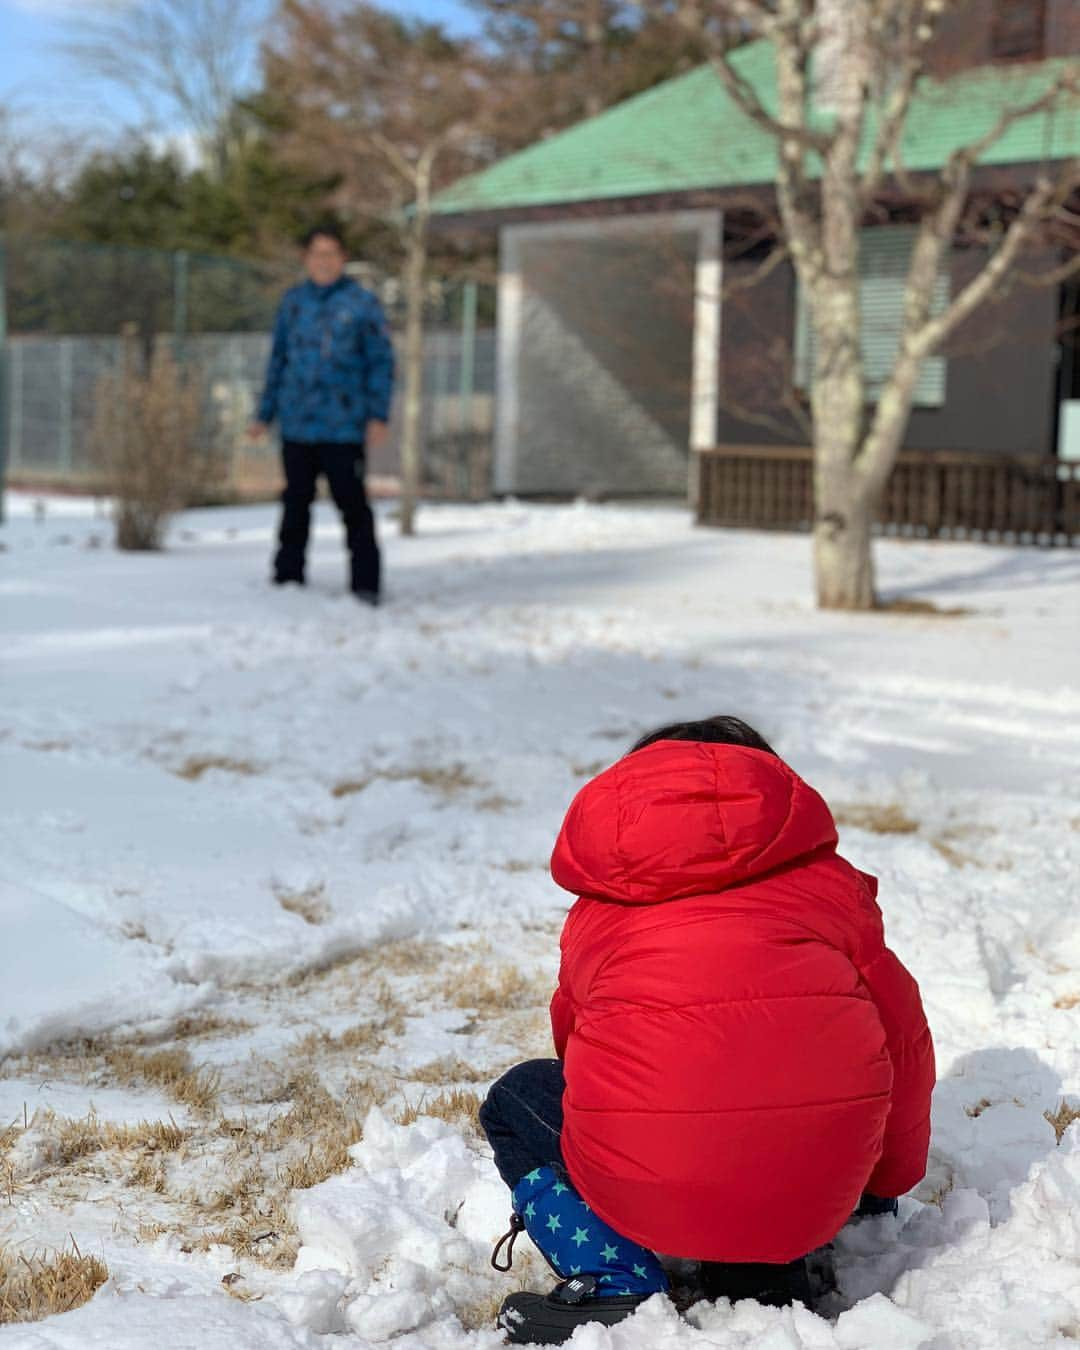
(765,268)
(980,287)
(921,26)
(745,97)
(965,157)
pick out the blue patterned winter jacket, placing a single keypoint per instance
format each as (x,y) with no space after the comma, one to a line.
(331,368)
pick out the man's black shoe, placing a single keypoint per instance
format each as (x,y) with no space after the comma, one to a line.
(288,581)
(551,1319)
(367,597)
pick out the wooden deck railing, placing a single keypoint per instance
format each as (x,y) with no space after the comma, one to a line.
(931,494)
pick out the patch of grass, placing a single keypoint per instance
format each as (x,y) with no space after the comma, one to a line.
(208,1024)
(325,1127)
(948,843)
(310,903)
(876,817)
(480,1315)
(407,956)
(497,804)
(38,1286)
(447,1070)
(150,1174)
(1067,1001)
(171,1070)
(79,1138)
(364,1036)
(914,605)
(979,1107)
(516,865)
(450,780)
(195,766)
(492,988)
(454,1105)
(589,770)
(1062,1118)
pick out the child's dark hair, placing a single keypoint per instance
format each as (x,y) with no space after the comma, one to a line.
(327,230)
(719,730)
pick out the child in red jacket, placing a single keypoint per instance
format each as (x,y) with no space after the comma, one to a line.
(726,1011)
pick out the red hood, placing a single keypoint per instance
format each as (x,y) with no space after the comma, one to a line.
(686,818)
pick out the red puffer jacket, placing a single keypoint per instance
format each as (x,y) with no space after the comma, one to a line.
(743,1054)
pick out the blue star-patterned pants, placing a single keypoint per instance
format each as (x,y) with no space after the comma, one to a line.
(522,1118)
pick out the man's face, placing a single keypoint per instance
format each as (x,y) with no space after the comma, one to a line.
(324,259)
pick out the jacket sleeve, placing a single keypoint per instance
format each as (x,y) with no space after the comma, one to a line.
(275,369)
(907,1131)
(378,353)
(562,1020)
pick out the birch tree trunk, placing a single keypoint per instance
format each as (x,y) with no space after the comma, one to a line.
(415,276)
(411,457)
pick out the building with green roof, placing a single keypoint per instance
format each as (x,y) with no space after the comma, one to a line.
(626,342)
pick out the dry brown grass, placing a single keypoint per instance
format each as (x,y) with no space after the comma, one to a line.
(447,1070)
(877,817)
(480,1315)
(979,1107)
(497,804)
(323,1126)
(171,1070)
(580,770)
(1067,1001)
(300,1147)
(449,780)
(310,903)
(79,1138)
(1062,1118)
(491,989)
(926,608)
(957,845)
(515,865)
(37,1286)
(406,956)
(199,1025)
(454,1105)
(195,766)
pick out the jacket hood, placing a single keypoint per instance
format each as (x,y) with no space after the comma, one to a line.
(684,818)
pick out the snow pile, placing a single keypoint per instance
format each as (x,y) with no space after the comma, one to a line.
(213,789)
(408,1227)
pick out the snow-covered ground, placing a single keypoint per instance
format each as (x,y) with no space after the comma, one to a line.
(272,869)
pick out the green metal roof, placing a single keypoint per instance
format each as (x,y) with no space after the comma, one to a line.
(687,134)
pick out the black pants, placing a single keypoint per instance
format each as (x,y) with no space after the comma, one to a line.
(522,1118)
(343,466)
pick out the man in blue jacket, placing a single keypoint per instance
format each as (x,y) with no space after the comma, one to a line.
(329,383)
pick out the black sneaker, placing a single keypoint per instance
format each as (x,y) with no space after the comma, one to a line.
(551,1319)
(775,1286)
(367,597)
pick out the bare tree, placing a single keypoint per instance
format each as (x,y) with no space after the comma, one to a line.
(839,157)
(192,55)
(400,110)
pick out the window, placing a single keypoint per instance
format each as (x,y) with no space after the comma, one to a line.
(884,258)
(1017,30)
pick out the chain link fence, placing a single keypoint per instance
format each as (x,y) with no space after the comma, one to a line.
(64,307)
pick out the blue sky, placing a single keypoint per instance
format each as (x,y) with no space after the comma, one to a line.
(39,83)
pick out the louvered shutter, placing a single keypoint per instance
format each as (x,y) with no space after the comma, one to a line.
(884,259)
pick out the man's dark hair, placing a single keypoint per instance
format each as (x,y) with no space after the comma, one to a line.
(328,230)
(718,730)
